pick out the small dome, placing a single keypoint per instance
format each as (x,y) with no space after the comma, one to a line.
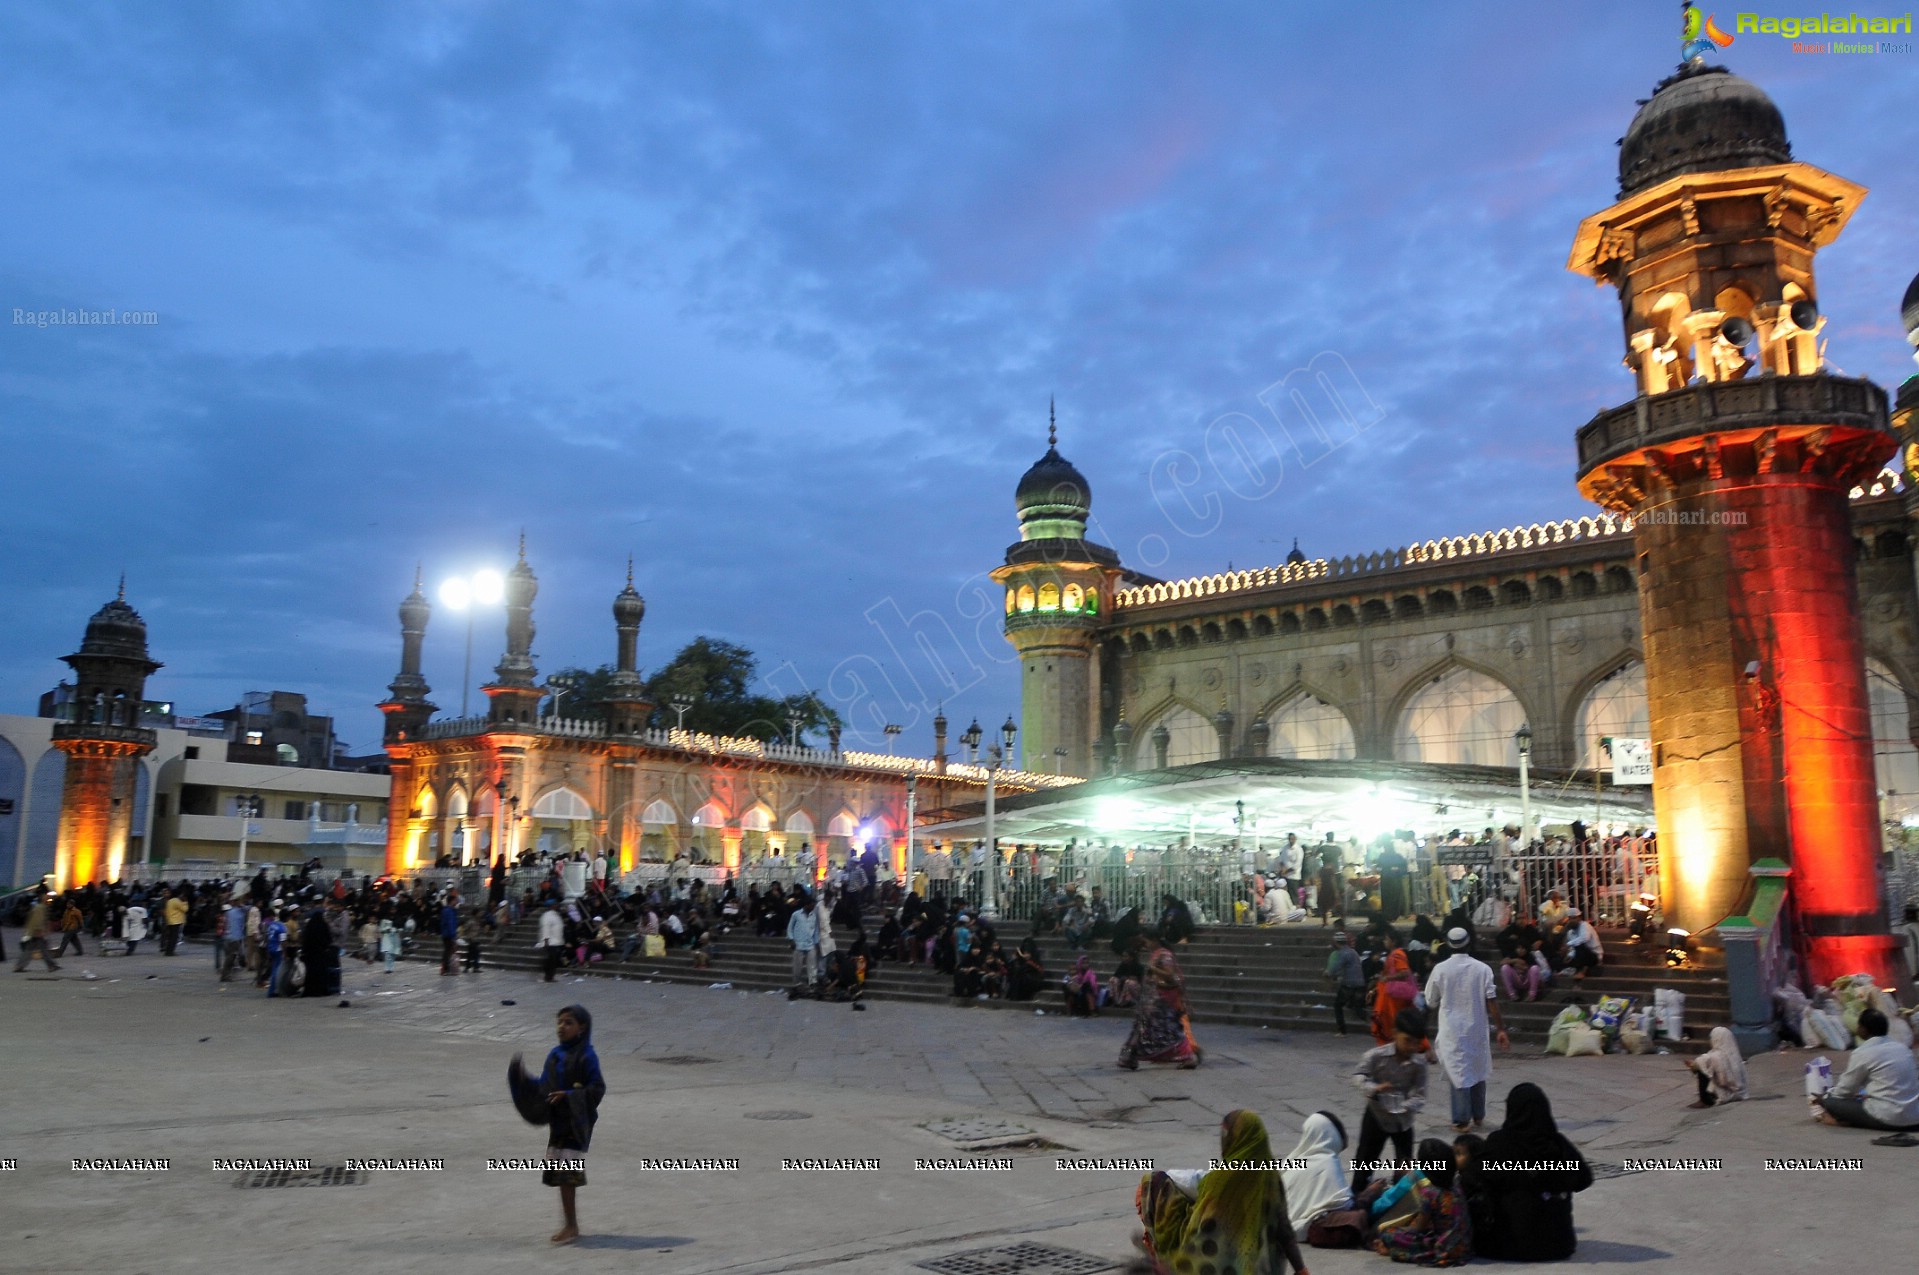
(1701,119)
(628,606)
(116,630)
(1052,488)
(415,609)
(1295,558)
(1909,310)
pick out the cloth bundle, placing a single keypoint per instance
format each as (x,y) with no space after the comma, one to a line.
(1669,1013)
(1559,1037)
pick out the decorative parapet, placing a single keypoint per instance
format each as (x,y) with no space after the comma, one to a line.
(685,741)
(1454,548)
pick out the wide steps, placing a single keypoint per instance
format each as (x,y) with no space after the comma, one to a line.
(1235,975)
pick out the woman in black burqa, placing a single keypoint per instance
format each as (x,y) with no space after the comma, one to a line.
(1529,1172)
(566,1099)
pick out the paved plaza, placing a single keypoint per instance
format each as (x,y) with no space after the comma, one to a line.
(151,1058)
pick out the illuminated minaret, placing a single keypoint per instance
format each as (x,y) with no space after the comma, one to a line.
(1735,462)
(514,692)
(406,708)
(626,704)
(103,743)
(1058,583)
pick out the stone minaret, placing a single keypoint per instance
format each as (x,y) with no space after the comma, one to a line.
(626,704)
(514,692)
(1058,584)
(1735,461)
(406,708)
(103,743)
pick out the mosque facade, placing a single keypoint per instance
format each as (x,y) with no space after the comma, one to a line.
(1744,597)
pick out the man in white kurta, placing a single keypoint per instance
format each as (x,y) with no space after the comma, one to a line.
(1460,990)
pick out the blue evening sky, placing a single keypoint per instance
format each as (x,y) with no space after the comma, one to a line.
(772,296)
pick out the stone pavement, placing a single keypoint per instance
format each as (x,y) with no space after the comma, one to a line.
(152,1059)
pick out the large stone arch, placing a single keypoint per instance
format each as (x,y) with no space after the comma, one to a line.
(1457,713)
(13,793)
(1177,714)
(41,845)
(1290,701)
(1580,742)
(1894,715)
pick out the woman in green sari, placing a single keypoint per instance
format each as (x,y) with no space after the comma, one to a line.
(1235,1221)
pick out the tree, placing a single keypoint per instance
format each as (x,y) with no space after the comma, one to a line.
(717,678)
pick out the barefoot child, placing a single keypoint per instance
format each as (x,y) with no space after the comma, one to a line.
(571,1087)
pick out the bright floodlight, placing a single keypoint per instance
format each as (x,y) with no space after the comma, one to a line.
(488,587)
(457,594)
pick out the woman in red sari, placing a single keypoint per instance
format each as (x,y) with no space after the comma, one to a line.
(1397,990)
(1162,1032)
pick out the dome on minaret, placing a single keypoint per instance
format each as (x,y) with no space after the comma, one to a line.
(628,606)
(116,629)
(1701,119)
(1909,310)
(1295,558)
(415,610)
(1053,488)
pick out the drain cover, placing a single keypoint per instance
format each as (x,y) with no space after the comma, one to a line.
(779,1115)
(680,1060)
(977,1129)
(1018,1259)
(328,1175)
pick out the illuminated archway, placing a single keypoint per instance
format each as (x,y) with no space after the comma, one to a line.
(1462,717)
(1615,708)
(1895,760)
(1192,739)
(1310,729)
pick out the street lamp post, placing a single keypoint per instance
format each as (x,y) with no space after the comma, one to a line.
(893,730)
(679,704)
(1523,737)
(464,593)
(971,739)
(995,757)
(250,807)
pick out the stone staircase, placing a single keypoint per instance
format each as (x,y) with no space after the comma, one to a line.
(1246,976)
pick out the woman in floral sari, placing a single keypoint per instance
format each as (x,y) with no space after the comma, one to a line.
(1423,1219)
(1234,1220)
(1161,1031)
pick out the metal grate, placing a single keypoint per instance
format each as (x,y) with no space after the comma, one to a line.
(327,1175)
(977,1129)
(680,1060)
(779,1115)
(1018,1259)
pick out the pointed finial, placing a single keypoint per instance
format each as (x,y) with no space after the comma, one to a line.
(419,576)
(1052,422)
(629,570)
(523,544)
(122,595)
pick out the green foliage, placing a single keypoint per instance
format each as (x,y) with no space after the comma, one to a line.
(718,678)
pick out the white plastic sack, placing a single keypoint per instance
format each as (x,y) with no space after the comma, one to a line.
(1818,1077)
(1669,1006)
(1828,1028)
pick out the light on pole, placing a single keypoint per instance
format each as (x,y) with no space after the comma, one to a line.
(559,688)
(1059,761)
(679,704)
(1523,737)
(484,587)
(893,730)
(971,739)
(250,808)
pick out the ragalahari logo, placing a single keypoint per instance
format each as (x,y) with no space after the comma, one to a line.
(1699,34)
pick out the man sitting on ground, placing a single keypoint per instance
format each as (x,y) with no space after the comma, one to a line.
(1880,1087)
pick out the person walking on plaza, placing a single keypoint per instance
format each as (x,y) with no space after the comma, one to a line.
(1461,992)
(803,932)
(1348,978)
(173,916)
(233,934)
(470,935)
(133,926)
(552,940)
(34,937)
(1393,1078)
(71,922)
(389,942)
(273,937)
